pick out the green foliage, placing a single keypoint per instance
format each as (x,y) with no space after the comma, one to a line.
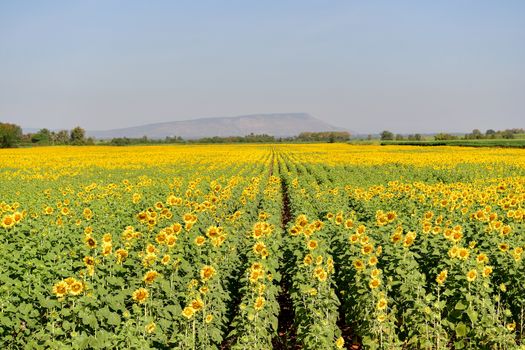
(326,136)
(10,135)
(386,135)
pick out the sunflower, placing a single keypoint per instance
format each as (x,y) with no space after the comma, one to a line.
(463,253)
(391,216)
(121,255)
(367,249)
(165,259)
(487,271)
(321,274)
(472,275)
(319,260)
(308,259)
(255,275)
(312,244)
(372,261)
(441,277)
(294,230)
(8,221)
(60,289)
(259,303)
(188,312)
(90,242)
(140,295)
(207,272)
(409,239)
(177,228)
(212,232)
(375,273)
(258,247)
(161,237)
(208,318)
(76,288)
(197,304)
(340,343)
(354,238)
(374,283)
(199,240)
(396,237)
(381,304)
(482,258)
(359,265)
(171,241)
(505,230)
(150,328)
(453,252)
(17,216)
(150,249)
(89,261)
(107,249)
(150,276)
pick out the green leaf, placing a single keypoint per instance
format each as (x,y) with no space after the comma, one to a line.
(473,315)
(113,319)
(460,306)
(461,329)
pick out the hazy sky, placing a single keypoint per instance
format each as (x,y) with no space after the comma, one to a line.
(406,66)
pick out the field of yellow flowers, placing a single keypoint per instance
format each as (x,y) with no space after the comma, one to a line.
(262,246)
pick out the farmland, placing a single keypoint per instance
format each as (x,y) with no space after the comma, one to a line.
(262,246)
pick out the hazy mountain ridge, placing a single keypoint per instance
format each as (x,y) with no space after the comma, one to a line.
(278,125)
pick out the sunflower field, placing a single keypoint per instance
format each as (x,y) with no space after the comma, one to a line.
(300,246)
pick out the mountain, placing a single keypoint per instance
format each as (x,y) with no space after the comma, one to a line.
(278,125)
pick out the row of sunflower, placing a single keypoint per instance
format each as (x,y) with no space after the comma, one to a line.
(310,267)
(450,251)
(137,258)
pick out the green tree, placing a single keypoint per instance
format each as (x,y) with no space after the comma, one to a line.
(43,136)
(387,135)
(61,137)
(10,135)
(77,136)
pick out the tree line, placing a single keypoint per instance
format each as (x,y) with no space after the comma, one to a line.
(11,135)
(476,134)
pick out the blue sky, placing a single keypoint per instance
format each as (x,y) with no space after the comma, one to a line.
(406,66)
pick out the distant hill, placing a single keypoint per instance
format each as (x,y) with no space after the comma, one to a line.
(278,125)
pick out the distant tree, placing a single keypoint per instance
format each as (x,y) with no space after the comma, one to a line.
(387,135)
(399,137)
(369,137)
(324,136)
(77,136)
(444,136)
(10,135)
(415,137)
(61,137)
(490,132)
(476,134)
(507,134)
(43,136)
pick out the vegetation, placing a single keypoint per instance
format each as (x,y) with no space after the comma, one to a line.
(328,136)
(512,143)
(10,135)
(260,246)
